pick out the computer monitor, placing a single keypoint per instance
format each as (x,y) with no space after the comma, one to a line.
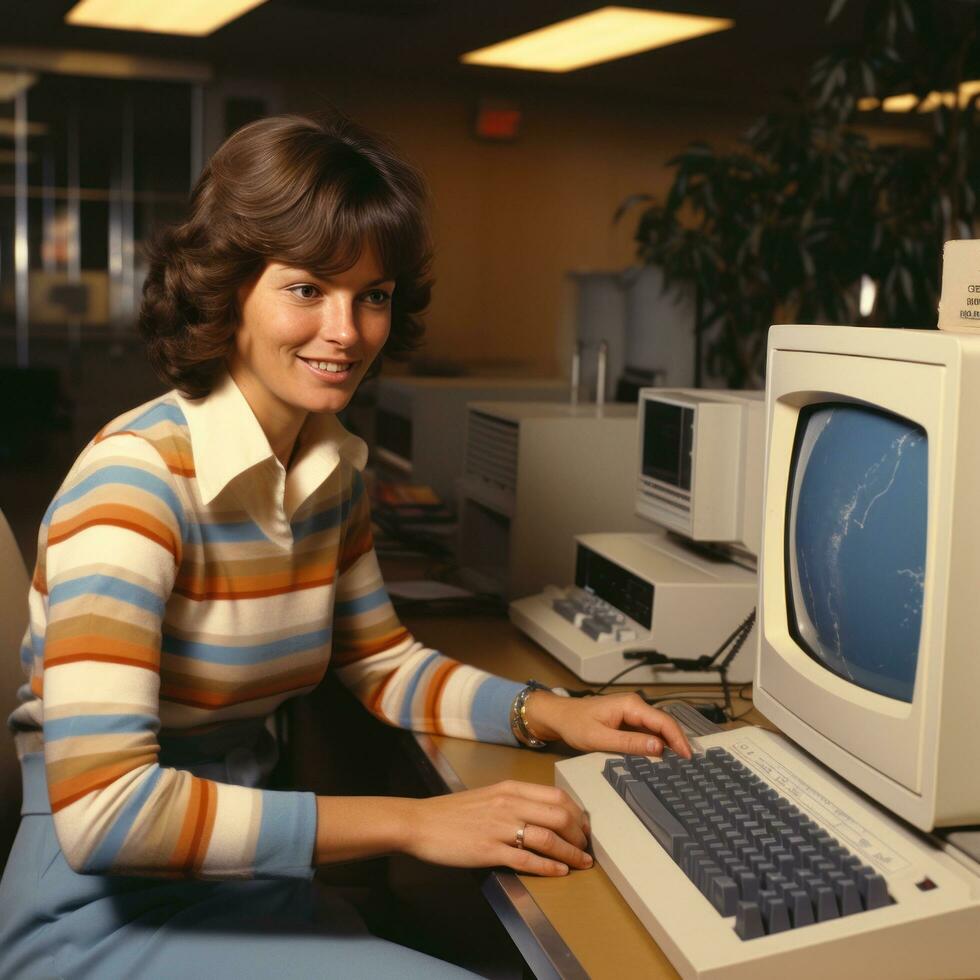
(699,471)
(869,595)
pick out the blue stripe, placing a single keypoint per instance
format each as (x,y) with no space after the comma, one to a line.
(325,520)
(102,857)
(110,587)
(490,714)
(356,487)
(218,653)
(28,647)
(130,476)
(233,531)
(351,607)
(287,834)
(163,412)
(405,712)
(58,728)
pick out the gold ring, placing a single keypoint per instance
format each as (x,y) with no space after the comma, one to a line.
(519,838)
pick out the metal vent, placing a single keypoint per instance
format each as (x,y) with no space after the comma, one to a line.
(660,494)
(491,450)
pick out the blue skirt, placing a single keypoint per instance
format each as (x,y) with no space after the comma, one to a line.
(56,923)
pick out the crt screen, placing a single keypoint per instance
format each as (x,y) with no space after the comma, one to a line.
(668,437)
(856,544)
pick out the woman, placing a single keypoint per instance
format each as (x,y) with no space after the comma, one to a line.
(207,556)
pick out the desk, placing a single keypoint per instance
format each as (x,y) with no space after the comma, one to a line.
(577,926)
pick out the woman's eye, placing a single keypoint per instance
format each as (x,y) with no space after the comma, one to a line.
(304,291)
(377,297)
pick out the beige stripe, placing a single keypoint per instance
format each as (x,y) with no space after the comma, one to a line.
(218,676)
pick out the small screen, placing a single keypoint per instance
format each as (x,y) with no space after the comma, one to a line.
(629,593)
(668,438)
(856,544)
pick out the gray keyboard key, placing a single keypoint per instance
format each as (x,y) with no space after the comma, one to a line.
(800,908)
(775,915)
(655,816)
(825,904)
(873,889)
(595,629)
(748,885)
(724,894)
(748,921)
(846,893)
(566,609)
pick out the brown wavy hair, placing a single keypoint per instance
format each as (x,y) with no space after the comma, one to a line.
(307,191)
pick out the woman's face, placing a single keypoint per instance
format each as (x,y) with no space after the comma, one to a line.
(305,343)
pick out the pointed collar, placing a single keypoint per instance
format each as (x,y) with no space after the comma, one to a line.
(227,441)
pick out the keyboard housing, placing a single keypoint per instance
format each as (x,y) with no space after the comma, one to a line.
(930,931)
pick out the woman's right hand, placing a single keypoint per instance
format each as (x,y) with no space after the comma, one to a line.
(477,828)
(482,828)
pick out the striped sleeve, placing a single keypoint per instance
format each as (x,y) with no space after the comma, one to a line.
(115,537)
(393,675)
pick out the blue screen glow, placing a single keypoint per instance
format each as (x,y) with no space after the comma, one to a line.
(856,546)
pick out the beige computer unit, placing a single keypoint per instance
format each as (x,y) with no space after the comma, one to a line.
(534,476)
(420,423)
(868,665)
(687,583)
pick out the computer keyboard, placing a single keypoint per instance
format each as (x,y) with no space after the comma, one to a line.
(752,860)
(750,852)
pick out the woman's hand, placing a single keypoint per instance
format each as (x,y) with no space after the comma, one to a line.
(482,828)
(478,828)
(607,723)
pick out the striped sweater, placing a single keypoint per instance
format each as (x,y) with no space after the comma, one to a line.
(186,585)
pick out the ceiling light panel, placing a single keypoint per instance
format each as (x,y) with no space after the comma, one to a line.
(196,18)
(602,35)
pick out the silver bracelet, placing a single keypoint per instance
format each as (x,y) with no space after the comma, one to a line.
(518,717)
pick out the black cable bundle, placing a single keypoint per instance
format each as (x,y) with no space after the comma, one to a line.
(726,652)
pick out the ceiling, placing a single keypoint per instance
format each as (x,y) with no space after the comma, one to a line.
(769,50)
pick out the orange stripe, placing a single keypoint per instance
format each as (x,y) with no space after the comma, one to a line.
(37,685)
(373,701)
(175,462)
(347,652)
(189,830)
(207,825)
(173,458)
(38,582)
(69,790)
(99,659)
(104,649)
(240,695)
(110,516)
(198,592)
(434,694)
(356,548)
(165,542)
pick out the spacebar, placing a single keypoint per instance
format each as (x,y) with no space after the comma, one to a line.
(655,816)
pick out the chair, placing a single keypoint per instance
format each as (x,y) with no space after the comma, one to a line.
(14,584)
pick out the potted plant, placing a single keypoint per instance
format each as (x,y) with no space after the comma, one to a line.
(785,228)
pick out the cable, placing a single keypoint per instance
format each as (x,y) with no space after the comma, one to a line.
(733,643)
(612,680)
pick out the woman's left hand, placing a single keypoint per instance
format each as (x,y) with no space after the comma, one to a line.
(607,723)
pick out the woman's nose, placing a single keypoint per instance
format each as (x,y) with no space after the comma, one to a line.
(339,324)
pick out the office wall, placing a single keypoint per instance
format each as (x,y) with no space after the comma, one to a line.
(511,219)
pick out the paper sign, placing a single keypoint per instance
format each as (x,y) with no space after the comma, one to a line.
(959,308)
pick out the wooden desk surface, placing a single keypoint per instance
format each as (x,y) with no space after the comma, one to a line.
(586,910)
